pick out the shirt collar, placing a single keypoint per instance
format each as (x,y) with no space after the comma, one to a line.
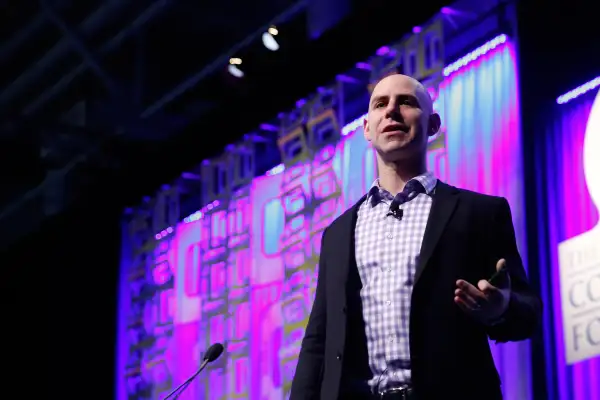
(376,193)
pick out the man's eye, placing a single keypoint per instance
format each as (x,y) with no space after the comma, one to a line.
(379,105)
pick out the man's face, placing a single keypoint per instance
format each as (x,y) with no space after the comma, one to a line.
(400,119)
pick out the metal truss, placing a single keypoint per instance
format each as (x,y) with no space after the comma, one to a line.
(8,48)
(108,46)
(132,121)
(91,25)
(50,196)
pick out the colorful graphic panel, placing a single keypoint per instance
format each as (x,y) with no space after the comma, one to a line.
(245,274)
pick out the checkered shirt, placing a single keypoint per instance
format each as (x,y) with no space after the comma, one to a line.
(387,249)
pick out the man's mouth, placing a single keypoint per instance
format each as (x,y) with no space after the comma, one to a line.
(395,128)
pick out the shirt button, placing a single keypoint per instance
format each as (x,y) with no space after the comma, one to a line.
(388,302)
(389,269)
(390,235)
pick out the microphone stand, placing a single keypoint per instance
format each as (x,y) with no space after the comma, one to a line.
(185,384)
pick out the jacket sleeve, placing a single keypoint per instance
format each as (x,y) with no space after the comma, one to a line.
(306,384)
(523,314)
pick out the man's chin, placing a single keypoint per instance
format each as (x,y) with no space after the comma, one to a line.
(395,153)
(396,147)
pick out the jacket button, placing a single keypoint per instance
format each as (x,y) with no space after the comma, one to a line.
(339,357)
(344,309)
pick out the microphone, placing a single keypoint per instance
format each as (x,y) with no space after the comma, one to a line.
(213,352)
(395,209)
(210,355)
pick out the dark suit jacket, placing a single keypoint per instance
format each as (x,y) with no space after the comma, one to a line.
(466,234)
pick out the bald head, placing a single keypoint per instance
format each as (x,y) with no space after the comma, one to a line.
(407,83)
(400,119)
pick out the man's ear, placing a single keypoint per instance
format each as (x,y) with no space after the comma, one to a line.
(366,129)
(435,122)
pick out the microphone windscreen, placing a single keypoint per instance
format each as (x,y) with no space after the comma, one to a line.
(213,352)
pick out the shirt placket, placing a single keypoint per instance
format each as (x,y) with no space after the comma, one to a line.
(393,289)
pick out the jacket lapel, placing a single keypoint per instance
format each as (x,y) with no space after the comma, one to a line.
(345,254)
(444,203)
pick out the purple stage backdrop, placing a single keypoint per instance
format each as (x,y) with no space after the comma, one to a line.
(569,183)
(253,303)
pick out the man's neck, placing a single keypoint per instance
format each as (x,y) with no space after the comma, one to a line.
(394,176)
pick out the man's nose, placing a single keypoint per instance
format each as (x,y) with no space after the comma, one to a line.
(393,111)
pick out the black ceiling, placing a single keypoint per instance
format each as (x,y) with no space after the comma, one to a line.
(121,57)
(111,63)
(176,39)
(150,78)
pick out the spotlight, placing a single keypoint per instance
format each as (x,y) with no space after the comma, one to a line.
(233,67)
(268,39)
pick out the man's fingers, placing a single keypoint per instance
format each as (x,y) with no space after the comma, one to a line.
(466,299)
(469,289)
(485,286)
(467,305)
(503,279)
(462,305)
(501,264)
(487,296)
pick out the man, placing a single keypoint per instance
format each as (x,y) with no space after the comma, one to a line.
(415,277)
